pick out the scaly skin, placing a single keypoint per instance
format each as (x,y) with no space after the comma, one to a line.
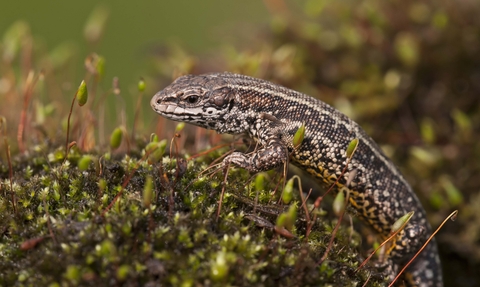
(271,114)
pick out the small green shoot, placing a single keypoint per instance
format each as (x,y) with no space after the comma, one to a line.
(82,90)
(153,137)
(148,192)
(287,194)
(286,221)
(352,147)
(84,162)
(219,268)
(299,136)
(156,150)
(116,138)
(339,204)
(401,222)
(82,94)
(180,126)
(141,89)
(260,182)
(454,195)
(141,85)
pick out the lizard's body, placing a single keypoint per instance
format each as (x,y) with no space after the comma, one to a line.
(271,114)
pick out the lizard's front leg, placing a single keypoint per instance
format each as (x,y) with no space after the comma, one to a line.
(272,155)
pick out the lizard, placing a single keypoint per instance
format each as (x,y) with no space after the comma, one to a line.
(271,114)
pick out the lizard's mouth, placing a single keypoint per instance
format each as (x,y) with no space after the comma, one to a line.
(165,109)
(175,112)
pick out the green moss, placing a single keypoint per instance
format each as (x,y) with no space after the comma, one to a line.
(177,240)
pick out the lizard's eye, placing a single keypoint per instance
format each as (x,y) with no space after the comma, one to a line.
(192,99)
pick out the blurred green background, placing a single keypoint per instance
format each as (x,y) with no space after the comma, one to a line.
(134,28)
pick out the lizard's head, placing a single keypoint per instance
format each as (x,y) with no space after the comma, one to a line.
(202,100)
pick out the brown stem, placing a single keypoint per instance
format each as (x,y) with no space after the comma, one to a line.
(31,80)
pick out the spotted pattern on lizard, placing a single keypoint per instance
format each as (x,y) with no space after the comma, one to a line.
(271,114)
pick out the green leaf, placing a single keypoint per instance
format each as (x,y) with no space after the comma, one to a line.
(12,39)
(179,127)
(82,94)
(287,194)
(148,191)
(116,138)
(352,147)
(156,150)
(73,272)
(260,182)
(402,221)
(141,85)
(84,162)
(100,66)
(299,136)
(122,272)
(153,137)
(219,268)
(287,219)
(462,121)
(427,131)
(339,203)
(407,48)
(454,195)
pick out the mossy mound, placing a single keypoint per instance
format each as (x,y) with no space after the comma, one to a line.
(62,231)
